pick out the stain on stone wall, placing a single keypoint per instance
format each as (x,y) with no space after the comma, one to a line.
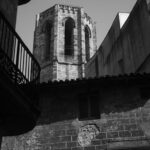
(87,134)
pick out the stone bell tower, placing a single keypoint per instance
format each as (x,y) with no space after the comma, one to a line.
(64,40)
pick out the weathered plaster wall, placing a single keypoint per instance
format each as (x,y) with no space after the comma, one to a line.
(125,50)
(68,66)
(124,122)
(9,10)
(57,16)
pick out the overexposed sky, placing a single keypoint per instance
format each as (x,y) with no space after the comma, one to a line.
(101,11)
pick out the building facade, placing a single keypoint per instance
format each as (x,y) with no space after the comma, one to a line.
(105,113)
(125,49)
(110,113)
(64,40)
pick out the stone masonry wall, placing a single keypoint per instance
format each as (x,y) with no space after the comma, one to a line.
(46,74)
(48,18)
(124,122)
(42,20)
(75,62)
(57,16)
(67,71)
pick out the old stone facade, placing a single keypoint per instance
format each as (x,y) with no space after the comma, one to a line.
(118,116)
(64,40)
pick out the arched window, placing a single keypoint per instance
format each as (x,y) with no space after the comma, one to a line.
(87,42)
(47,29)
(69,36)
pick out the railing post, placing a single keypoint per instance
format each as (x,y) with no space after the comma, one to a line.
(2,31)
(17,57)
(17,60)
(20,64)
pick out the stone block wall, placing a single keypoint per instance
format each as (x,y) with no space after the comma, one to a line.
(57,16)
(67,71)
(44,20)
(46,74)
(123,122)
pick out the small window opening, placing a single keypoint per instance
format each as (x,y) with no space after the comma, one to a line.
(89,106)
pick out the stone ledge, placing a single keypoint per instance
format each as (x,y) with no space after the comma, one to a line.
(129,144)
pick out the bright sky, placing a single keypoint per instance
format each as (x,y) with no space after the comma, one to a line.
(101,11)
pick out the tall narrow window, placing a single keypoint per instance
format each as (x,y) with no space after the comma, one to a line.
(69,37)
(87,42)
(47,34)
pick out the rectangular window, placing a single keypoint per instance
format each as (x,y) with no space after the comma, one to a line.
(89,106)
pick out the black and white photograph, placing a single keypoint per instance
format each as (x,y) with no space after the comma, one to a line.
(74,74)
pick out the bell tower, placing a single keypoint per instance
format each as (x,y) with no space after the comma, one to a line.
(64,40)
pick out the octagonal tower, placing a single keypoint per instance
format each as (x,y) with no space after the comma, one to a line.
(64,40)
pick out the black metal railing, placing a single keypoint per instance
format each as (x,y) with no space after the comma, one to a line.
(15,58)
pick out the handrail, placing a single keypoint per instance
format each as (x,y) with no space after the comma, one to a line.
(15,58)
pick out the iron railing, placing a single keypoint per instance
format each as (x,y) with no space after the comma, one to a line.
(15,58)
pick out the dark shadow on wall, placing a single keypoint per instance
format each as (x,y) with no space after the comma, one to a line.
(60,101)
